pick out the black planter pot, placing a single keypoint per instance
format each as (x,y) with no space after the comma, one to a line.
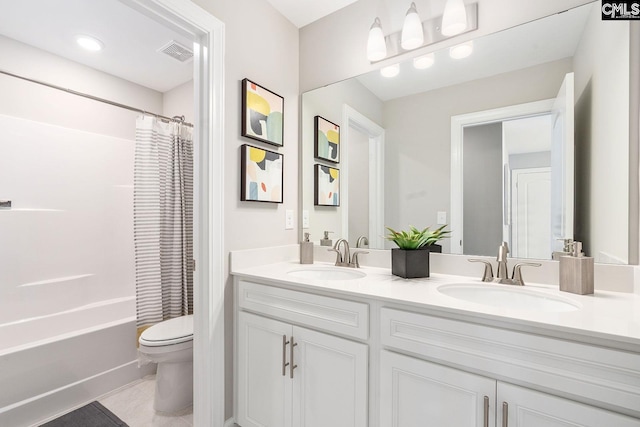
(413,263)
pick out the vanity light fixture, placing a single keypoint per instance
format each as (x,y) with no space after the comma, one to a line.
(415,34)
(424,61)
(376,44)
(454,19)
(390,71)
(412,33)
(89,43)
(461,50)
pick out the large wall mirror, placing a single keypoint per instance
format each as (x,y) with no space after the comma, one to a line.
(473,143)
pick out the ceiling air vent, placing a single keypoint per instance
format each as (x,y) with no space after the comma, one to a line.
(177,51)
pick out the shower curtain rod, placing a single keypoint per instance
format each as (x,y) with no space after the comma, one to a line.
(179,119)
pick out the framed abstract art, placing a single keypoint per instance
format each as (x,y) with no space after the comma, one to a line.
(262,114)
(327,186)
(261,178)
(326,140)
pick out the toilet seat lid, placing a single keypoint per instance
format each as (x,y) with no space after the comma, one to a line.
(172,331)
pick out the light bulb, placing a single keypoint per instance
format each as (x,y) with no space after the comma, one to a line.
(376,44)
(390,71)
(424,61)
(454,19)
(462,50)
(412,34)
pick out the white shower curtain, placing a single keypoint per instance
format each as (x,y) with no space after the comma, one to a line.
(163,220)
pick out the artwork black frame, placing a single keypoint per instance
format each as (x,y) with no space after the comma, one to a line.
(316,140)
(251,119)
(244,155)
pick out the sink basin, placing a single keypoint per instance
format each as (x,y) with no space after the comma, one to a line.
(511,298)
(327,273)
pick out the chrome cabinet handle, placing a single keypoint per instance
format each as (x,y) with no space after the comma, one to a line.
(505,414)
(291,365)
(486,411)
(284,355)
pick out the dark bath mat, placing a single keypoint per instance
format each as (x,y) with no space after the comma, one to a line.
(91,415)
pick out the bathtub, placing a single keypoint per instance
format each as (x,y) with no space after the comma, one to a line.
(58,361)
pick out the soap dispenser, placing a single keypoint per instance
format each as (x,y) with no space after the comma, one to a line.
(326,241)
(306,250)
(576,272)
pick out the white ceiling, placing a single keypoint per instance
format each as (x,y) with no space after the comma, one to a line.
(303,12)
(131,39)
(534,43)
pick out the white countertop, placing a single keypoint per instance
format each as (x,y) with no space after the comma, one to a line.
(604,318)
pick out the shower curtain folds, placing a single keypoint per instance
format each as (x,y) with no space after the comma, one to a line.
(163,220)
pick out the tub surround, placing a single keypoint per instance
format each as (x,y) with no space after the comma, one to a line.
(409,333)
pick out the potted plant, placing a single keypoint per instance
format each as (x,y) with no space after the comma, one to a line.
(411,258)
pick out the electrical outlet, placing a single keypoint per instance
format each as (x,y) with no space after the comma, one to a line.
(305,219)
(288,219)
(442,218)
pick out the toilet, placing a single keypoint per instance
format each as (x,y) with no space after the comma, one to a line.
(170,345)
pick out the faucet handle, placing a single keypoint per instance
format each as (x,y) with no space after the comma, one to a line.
(338,255)
(354,258)
(517,271)
(487,276)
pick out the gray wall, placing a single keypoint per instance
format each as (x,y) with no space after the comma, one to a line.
(602,140)
(418,137)
(328,102)
(482,183)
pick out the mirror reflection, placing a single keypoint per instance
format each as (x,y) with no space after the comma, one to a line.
(481,143)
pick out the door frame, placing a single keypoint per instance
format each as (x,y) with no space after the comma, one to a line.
(352,118)
(458,123)
(207,33)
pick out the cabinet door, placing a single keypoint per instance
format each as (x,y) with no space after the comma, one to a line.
(330,381)
(263,392)
(521,407)
(416,393)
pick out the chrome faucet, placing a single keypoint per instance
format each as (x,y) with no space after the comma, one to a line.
(344,258)
(362,240)
(503,268)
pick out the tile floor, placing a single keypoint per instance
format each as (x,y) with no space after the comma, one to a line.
(133,404)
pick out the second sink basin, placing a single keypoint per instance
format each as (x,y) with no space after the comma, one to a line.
(326,273)
(510,298)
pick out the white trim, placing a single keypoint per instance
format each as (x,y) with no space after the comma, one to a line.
(351,117)
(458,123)
(208,35)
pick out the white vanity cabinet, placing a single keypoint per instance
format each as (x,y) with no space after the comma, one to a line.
(414,389)
(362,357)
(522,407)
(293,376)
(415,393)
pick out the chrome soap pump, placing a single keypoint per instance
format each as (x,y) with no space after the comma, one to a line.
(576,272)
(306,250)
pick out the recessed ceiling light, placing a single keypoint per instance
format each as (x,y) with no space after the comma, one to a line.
(390,71)
(89,43)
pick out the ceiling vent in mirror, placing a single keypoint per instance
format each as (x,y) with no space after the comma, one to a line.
(177,51)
